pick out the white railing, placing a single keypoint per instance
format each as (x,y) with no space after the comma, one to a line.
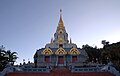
(111,69)
(33,69)
(106,68)
(114,71)
(90,69)
(6,71)
(36,70)
(22,69)
(96,68)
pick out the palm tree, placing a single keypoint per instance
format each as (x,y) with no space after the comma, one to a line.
(6,56)
(2,58)
(11,56)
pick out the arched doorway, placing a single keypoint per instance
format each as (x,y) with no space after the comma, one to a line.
(60,57)
(74,59)
(60,60)
(47,59)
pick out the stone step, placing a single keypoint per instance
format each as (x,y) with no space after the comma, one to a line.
(60,72)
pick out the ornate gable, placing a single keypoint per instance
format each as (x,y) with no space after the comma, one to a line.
(47,51)
(74,51)
(60,51)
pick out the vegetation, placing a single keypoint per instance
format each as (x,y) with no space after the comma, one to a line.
(94,54)
(6,56)
(109,52)
(112,53)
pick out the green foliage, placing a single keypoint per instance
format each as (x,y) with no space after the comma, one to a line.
(6,56)
(94,54)
(110,52)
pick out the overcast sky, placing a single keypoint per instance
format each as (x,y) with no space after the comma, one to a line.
(27,25)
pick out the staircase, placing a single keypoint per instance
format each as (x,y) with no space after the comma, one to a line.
(60,72)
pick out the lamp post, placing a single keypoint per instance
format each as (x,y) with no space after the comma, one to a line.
(23,61)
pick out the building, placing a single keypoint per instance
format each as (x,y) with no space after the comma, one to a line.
(60,51)
(60,57)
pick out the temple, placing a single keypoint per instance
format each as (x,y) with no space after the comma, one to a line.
(60,51)
(60,57)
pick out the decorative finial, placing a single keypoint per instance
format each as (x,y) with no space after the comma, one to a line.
(60,11)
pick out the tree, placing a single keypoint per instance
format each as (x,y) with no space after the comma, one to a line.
(111,53)
(104,42)
(2,58)
(94,53)
(12,56)
(6,57)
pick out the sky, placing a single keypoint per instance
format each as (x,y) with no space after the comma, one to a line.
(27,25)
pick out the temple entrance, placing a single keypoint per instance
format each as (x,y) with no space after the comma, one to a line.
(74,59)
(60,60)
(47,59)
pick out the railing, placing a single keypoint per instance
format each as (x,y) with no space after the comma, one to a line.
(36,70)
(25,69)
(6,71)
(105,68)
(90,69)
(114,71)
(73,68)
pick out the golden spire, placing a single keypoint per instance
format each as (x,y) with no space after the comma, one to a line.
(60,24)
